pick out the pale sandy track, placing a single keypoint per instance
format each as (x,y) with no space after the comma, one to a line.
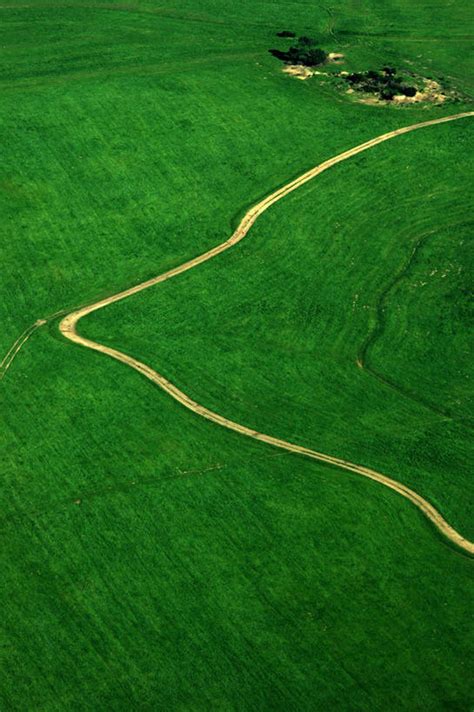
(69,323)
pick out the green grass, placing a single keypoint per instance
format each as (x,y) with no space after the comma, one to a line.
(427,332)
(151,560)
(270,582)
(269,333)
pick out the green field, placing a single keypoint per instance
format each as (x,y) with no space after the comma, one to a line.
(150,559)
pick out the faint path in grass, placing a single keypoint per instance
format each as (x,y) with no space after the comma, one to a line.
(16,346)
(126,487)
(68,327)
(377,329)
(12,352)
(388,35)
(34,82)
(214,20)
(117,7)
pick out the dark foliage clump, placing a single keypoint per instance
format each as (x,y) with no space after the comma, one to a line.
(385,83)
(304,52)
(387,93)
(286,33)
(306,41)
(312,57)
(279,54)
(354,78)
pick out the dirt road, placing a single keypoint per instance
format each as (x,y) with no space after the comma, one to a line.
(68,327)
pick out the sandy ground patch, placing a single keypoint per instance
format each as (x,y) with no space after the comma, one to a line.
(298,71)
(335,57)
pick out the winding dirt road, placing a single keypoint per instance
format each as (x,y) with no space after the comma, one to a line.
(68,327)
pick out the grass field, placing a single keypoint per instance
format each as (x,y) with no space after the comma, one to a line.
(150,559)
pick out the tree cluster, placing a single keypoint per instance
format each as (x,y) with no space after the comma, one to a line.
(385,83)
(304,52)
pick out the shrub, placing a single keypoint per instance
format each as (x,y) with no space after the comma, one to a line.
(386,84)
(309,56)
(279,54)
(306,41)
(388,93)
(314,57)
(286,33)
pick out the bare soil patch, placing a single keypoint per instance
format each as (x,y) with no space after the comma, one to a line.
(298,71)
(336,57)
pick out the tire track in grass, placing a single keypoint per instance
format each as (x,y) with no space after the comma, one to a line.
(68,328)
(16,346)
(376,332)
